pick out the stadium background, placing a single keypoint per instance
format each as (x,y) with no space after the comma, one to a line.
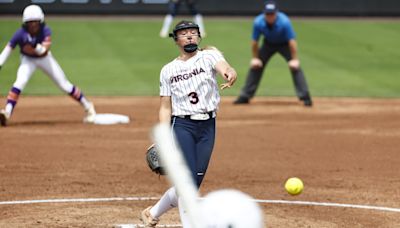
(345,148)
(210,7)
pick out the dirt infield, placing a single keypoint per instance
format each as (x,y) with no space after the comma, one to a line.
(347,151)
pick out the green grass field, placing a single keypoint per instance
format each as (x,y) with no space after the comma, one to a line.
(351,58)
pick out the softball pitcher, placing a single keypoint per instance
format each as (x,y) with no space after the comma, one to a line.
(189,101)
(34,40)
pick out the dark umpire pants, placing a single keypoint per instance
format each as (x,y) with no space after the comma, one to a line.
(254,76)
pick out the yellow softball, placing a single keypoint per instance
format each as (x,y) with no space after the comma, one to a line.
(294,186)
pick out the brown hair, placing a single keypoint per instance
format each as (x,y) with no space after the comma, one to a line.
(210,48)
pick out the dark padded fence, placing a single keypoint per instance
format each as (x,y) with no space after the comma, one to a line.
(209,7)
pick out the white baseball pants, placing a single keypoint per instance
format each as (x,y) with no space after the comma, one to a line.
(48,65)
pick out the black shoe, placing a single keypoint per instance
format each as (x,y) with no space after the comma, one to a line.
(308,103)
(3,118)
(241,100)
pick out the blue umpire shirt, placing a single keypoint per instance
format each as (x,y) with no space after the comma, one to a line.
(281,32)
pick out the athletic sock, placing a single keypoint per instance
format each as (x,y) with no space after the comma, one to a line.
(85,103)
(168,201)
(12,100)
(77,95)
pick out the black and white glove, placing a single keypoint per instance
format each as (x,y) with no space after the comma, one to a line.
(153,160)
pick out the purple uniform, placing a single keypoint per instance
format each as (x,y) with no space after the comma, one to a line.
(22,37)
(34,43)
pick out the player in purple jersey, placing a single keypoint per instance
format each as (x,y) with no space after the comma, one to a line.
(34,41)
(173,9)
(189,99)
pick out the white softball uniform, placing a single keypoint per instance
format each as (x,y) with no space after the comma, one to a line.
(48,65)
(192,84)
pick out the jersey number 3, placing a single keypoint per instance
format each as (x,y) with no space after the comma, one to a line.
(193,98)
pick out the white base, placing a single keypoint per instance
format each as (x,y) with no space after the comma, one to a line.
(140,225)
(110,118)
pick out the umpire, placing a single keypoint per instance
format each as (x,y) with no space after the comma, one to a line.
(279,37)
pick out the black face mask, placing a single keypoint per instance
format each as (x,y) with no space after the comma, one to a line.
(189,48)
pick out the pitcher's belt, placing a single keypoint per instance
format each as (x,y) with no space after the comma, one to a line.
(199,116)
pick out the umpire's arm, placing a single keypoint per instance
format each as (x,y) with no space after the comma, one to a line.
(254,49)
(294,62)
(293,48)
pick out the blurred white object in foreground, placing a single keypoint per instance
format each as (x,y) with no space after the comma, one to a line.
(230,208)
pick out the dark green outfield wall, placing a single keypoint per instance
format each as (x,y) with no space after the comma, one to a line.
(210,7)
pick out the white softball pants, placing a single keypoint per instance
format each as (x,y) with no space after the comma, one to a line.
(48,65)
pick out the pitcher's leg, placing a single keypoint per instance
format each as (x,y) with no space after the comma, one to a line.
(150,215)
(204,148)
(185,131)
(168,201)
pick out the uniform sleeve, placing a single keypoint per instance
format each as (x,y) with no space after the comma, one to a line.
(290,34)
(16,39)
(165,84)
(214,56)
(46,32)
(256,31)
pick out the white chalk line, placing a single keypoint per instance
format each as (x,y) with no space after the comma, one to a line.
(79,200)
(139,225)
(306,203)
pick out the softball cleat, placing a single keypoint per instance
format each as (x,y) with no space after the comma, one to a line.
(90,114)
(147,219)
(4,116)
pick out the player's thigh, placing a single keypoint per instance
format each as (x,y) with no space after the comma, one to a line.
(285,52)
(266,53)
(51,67)
(205,145)
(24,72)
(184,132)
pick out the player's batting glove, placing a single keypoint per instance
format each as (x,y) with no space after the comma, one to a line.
(153,160)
